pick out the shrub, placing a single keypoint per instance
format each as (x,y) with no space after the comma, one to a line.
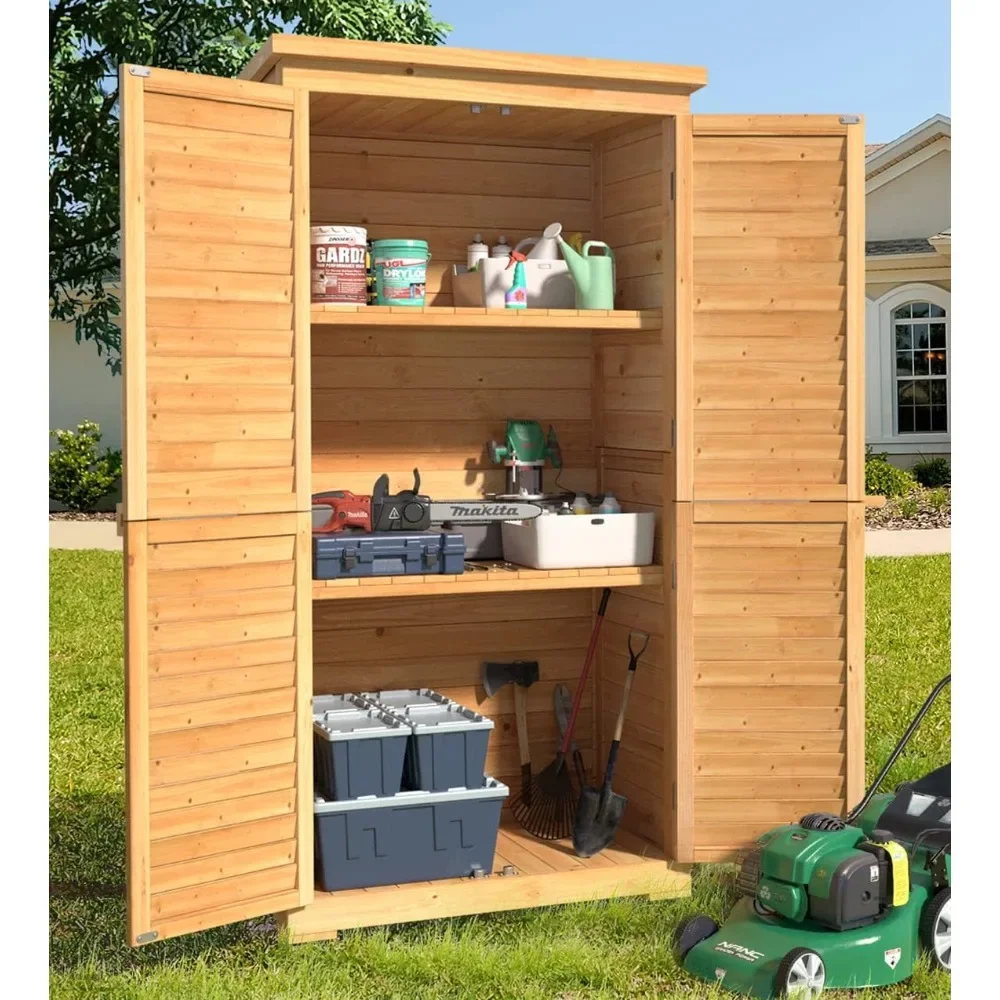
(79,477)
(908,506)
(938,498)
(931,472)
(883,479)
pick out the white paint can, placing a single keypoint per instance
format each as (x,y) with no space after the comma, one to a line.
(339,267)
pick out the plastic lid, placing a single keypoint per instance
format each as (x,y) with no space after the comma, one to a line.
(402,698)
(430,719)
(552,230)
(355,724)
(426,711)
(491,789)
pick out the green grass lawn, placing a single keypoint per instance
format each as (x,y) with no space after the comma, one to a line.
(612,949)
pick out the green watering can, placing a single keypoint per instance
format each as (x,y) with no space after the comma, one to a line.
(594,276)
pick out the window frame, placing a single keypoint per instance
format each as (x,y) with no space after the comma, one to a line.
(914,377)
(881,431)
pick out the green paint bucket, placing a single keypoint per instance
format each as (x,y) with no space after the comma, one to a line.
(400,272)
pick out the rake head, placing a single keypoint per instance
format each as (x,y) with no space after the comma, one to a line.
(546,808)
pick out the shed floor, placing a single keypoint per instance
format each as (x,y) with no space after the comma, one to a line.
(547,873)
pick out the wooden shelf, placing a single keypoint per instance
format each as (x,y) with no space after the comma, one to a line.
(480,580)
(525,319)
(546,873)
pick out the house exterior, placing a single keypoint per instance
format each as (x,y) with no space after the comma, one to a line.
(908,310)
(908,293)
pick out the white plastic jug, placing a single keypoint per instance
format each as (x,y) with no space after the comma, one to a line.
(544,247)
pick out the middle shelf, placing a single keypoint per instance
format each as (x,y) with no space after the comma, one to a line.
(487,579)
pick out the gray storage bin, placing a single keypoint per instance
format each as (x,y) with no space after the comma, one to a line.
(357,749)
(447,748)
(410,837)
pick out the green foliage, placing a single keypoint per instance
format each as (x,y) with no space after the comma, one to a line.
(88,39)
(938,499)
(79,477)
(908,506)
(933,472)
(883,479)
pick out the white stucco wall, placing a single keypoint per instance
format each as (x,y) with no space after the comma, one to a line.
(914,204)
(81,387)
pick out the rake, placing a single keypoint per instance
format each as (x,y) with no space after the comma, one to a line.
(547,807)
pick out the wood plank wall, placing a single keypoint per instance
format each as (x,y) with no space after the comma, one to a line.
(442,642)
(444,192)
(632,214)
(632,436)
(387,399)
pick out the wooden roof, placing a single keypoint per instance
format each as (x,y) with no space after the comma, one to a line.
(574,70)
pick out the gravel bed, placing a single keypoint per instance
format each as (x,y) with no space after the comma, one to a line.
(77,515)
(920,508)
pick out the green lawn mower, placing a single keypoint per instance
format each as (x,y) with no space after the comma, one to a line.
(838,903)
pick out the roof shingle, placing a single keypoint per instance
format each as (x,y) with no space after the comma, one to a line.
(881,248)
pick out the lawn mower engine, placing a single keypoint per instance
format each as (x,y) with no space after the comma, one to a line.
(822,870)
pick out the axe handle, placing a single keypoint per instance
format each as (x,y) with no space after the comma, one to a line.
(521,719)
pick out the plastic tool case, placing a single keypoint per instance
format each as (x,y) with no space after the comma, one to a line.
(409,837)
(357,749)
(447,747)
(387,553)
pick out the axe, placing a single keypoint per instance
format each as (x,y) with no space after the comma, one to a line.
(522,674)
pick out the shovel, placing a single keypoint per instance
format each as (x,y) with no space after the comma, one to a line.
(599,810)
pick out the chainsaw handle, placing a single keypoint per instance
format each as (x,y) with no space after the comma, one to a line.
(346,511)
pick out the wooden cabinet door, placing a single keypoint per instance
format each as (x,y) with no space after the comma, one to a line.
(218,639)
(775,359)
(215,254)
(769,524)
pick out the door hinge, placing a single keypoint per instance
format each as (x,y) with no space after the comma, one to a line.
(672,185)
(850,119)
(139,71)
(147,937)
(673,574)
(673,433)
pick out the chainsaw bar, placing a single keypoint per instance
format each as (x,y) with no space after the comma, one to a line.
(481,512)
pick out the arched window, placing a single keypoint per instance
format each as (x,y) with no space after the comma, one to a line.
(920,330)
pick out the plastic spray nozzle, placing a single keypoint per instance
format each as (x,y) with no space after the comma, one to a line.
(515,257)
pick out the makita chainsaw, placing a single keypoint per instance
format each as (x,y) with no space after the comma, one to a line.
(408,510)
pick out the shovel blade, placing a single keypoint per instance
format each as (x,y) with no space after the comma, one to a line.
(597,818)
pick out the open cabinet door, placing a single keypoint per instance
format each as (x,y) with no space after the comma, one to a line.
(770,532)
(217,497)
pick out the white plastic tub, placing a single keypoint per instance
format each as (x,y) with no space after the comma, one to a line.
(550,285)
(578,541)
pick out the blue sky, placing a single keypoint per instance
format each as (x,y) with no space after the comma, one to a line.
(886,59)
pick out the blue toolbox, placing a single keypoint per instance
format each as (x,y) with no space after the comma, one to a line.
(409,837)
(387,553)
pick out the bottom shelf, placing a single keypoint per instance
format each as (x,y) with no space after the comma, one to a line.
(547,873)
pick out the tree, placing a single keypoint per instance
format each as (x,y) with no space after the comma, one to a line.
(88,39)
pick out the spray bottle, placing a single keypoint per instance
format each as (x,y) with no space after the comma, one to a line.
(516,297)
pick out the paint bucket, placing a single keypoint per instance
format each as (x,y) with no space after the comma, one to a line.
(338,264)
(400,272)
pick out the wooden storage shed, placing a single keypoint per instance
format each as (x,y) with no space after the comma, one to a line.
(724,393)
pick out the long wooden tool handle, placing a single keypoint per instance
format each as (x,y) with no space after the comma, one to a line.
(633,663)
(521,718)
(582,683)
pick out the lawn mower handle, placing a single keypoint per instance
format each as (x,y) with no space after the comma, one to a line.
(863,804)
